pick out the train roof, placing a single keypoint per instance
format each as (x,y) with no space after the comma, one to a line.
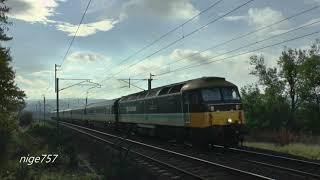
(101,104)
(179,87)
(206,82)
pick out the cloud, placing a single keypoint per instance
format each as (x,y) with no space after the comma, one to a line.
(178,9)
(34,11)
(311,1)
(40,11)
(258,16)
(263,16)
(235,18)
(21,80)
(44,73)
(86,57)
(87,29)
(190,55)
(85,64)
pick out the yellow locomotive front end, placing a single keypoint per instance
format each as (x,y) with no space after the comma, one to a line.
(213,112)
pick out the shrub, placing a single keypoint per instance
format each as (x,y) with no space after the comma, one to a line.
(25,118)
(7,126)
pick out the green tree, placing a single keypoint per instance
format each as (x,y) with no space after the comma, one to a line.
(289,93)
(309,90)
(11,97)
(310,76)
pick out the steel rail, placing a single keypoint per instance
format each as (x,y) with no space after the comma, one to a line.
(175,153)
(286,169)
(271,155)
(135,152)
(299,172)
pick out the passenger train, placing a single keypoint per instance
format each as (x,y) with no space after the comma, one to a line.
(206,110)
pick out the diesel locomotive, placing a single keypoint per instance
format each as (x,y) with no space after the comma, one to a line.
(206,110)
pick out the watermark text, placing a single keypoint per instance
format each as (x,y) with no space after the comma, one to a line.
(44,158)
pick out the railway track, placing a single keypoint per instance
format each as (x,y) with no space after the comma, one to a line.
(183,162)
(306,168)
(176,165)
(244,160)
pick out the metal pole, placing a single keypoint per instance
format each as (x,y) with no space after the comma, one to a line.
(39,111)
(44,109)
(36,113)
(149,81)
(55,77)
(57,101)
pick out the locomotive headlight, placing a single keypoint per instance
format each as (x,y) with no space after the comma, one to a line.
(229,120)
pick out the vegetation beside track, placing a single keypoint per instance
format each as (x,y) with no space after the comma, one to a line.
(35,141)
(298,149)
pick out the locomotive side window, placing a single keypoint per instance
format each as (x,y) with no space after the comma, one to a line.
(230,93)
(212,94)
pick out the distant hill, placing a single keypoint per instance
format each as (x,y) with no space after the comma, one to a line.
(32,105)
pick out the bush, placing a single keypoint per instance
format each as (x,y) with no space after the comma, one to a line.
(25,118)
(7,126)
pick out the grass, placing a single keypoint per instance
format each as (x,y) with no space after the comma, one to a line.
(35,141)
(298,149)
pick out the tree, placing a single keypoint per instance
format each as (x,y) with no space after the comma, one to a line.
(289,94)
(268,77)
(26,118)
(310,76)
(11,97)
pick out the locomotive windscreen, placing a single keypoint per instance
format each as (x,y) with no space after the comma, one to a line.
(220,94)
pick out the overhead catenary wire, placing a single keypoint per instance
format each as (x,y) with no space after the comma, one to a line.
(72,40)
(179,39)
(169,32)
(239,54)
(75,34)
(166,34)
(243,36)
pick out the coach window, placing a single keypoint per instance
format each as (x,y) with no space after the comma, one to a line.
(176,89)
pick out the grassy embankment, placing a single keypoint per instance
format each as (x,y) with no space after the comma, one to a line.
(79,157)
(35,141)
(298,149)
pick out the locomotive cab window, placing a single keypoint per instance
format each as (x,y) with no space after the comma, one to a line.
(212,94)
(230,94)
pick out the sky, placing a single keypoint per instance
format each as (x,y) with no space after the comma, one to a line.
(113,31)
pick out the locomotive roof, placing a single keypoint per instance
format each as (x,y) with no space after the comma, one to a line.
(206,82)
(181,86)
